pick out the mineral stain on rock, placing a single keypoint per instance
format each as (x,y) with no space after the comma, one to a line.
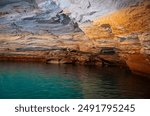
(112,33)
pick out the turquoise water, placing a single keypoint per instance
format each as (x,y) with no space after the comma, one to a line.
(47,81)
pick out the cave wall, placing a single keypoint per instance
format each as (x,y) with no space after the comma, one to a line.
(123,24)
(88,10)
(49,29)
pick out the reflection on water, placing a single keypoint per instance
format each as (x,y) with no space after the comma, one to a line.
(37,80)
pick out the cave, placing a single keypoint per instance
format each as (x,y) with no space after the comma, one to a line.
(105,34)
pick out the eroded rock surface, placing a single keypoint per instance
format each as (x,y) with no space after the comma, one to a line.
(113,32)
(123,24)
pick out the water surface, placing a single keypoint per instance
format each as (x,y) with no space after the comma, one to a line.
(47,81)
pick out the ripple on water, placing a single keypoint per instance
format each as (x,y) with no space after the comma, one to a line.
(42,81)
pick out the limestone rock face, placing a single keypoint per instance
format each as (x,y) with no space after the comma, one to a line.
(39,31)
(103,32)
(88,10)
(123,24)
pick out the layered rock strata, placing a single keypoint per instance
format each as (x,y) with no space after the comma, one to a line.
(114,32)
(123,24)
